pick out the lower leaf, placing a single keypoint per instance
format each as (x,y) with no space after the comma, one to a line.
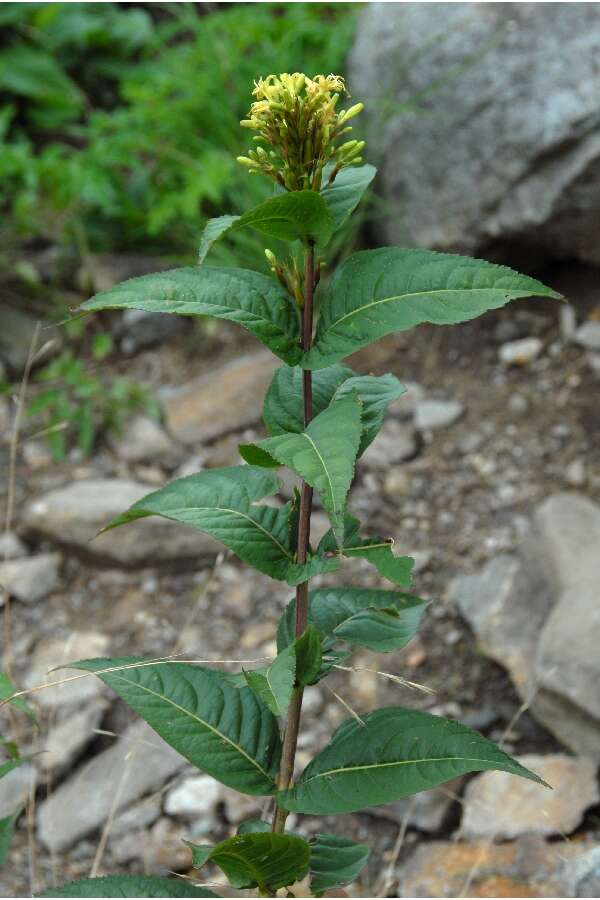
(392,753)
(260,859)
(376,550)
(128,886)
(225,731)
(334,861)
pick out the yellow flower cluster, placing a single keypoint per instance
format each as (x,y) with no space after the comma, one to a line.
(299,130)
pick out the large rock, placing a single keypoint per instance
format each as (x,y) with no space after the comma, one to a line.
(227,399)
(538,616)
(77,691)
(15,789)
(137,764)
(508,150)
(73,516)
(529,867)
(497,805)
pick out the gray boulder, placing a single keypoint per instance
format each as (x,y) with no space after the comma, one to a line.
(537,615)
(506,151)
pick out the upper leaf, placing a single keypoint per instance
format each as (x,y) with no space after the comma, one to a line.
(128,886)
(259,859)
(274,685)
(290,216)
(308,656)
(323,455)
(390,754)
(256,302)
(222,502)
(227,732)
(378,292)
(283,407)
(334,861)
(343,196)
(376,550)
(364,617)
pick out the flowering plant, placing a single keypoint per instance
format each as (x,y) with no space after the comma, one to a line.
(321,416)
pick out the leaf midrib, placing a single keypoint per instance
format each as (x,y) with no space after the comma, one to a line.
(412,294)
(234,512)
(401,762)
(202,721)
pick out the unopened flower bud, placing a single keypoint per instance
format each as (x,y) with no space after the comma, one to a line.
(353,111)
(271,258)
(244,161)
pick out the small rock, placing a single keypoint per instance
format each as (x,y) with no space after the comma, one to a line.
(36,455)
(140,329)
(394,444)
(239,807)
(15,789)
(575,473)
(73,515)
(568,321)
(588,335)
(16,335)
(509,329)
(517,403)
(397,482)
(11,547)
(52,652)
(226,399)
(520,353)
(142,441)
(30,579)
(159,851)
(138,763)
(581,876)
(422,559)
(499,806)
(193,797)
(137,816)
(64,741)
(431,414)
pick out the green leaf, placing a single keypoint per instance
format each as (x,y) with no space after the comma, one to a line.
(378,292)
(334,861)
(343,196)
(295,215)
(7,689)
(227,732)
(128,886)
(256,302)
(308,656)
(253,826)
(275,684)
(378,551)
(260,859)
(364,617)
(324,455)
(283,407)
(7,830)
(221,502)
(395,753)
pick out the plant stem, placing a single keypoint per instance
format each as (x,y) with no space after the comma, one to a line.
(290,740)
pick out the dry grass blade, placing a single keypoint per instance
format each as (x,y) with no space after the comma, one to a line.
(398,679)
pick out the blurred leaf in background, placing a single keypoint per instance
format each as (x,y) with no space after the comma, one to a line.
(114,133)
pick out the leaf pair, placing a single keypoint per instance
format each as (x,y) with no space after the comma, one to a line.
(298,215)
(272,861)
(373,294)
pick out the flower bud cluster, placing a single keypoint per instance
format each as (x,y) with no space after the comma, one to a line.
(299,130)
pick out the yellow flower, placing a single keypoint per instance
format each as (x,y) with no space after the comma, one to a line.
(298,129)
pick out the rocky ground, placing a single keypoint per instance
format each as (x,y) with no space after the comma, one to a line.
(488,472)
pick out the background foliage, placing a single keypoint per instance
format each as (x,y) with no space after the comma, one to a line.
(119,126)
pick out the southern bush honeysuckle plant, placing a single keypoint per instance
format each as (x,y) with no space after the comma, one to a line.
(242,729)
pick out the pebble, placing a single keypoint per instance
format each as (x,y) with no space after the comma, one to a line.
(567,321)
(395,443)
(143,440)
(397,482)
(520,353)
(64,742)
(432,414)
(15,788)
(517,403)
(30,579)
(193,797)
(500,806)
(11,547)
(588,335)
(54,651)
(575,473)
